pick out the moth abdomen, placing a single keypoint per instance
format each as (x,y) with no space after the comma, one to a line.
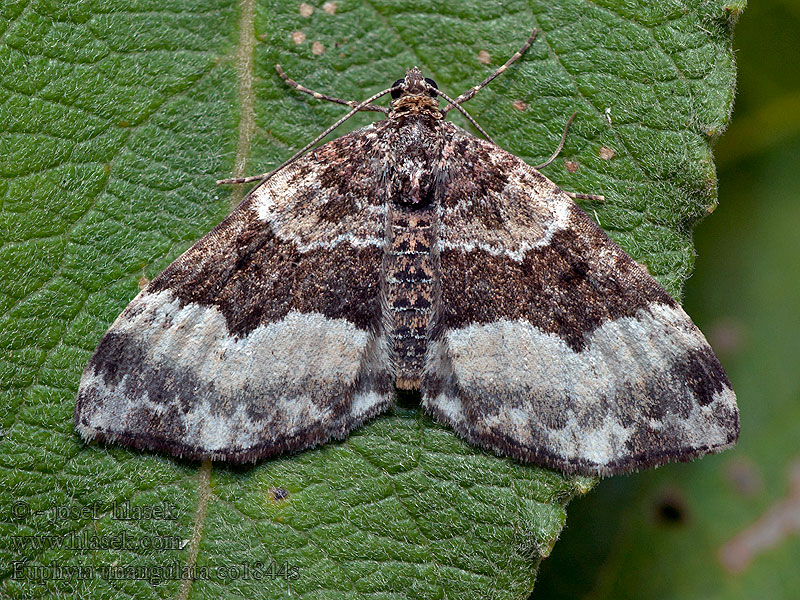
(411,273)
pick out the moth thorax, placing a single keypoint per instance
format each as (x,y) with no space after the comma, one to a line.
(415,105)
(411,271)
(412,189)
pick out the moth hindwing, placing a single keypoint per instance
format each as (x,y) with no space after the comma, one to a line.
(409,254)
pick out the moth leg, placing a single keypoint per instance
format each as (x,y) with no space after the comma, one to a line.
(474,90)
(319,96)
(554,155)
(593,197)
(560,147)
(263,177)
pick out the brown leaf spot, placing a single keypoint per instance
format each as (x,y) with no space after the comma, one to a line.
(645,266)
(483,57)
(571,166)
(607,153)
(330,7)
(317,48)
(520,105)
(298,37)
(306,10)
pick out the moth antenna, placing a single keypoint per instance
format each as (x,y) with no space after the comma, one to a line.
(265,176)
(560,147)
(474,90)
(320,96)
(463,112)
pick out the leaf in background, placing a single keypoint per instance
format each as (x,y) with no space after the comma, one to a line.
(116,121)
(731,532)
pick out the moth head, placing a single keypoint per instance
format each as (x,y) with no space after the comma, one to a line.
(414,84)
(415,94)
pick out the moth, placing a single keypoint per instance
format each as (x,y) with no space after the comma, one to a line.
(409,255)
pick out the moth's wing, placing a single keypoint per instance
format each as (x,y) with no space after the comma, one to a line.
(265,336)
(552,345)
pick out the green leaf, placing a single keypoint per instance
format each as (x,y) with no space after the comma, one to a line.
(117,119)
